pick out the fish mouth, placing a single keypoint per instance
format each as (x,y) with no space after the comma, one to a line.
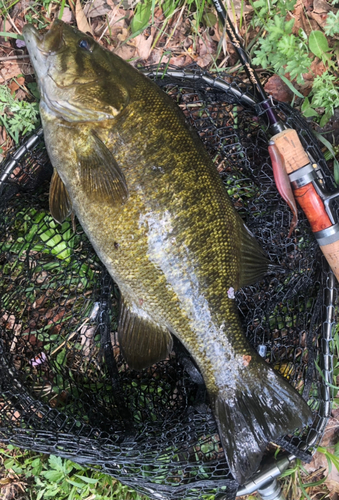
(31,35)
(48,43)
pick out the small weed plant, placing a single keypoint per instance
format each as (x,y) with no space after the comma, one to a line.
(287,53)
(54,477)
(18,117)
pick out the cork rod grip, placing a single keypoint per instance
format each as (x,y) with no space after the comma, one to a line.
(331,253)
(290,148)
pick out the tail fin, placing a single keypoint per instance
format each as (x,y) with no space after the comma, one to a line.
(262,408)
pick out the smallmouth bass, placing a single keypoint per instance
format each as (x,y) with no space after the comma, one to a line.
(156,212)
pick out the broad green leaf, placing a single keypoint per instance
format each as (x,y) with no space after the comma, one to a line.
(55,462)
(76,484)
(318,44)
(307,109)
(89,480)
(325,118)
(309,112)
(141,16)
(54,476)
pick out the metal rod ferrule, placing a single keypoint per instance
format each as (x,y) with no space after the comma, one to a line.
(328,235)
(302,176)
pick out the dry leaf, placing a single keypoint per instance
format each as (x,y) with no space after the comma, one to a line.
(67,15)
(205,48)
(321,7)
(317,69)
(144,44)
(182,60)
(97,8)
(116,23)
(81,19)
(11,69)
(126,52)
(320,11)
(278,89)
(308,4)
(123,35)
(15,84)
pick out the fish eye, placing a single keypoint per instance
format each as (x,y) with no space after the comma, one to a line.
(84,44)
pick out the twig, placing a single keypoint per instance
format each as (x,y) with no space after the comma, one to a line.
(13,24)
(12,58)
(69,338)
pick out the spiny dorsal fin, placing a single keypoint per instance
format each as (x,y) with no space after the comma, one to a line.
(101,176)
(143,342)
(60,204)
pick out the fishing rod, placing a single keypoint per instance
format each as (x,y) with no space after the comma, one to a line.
(295,172)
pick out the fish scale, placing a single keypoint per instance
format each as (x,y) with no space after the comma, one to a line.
(156,212)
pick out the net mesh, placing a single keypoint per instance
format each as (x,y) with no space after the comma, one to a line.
(66,389)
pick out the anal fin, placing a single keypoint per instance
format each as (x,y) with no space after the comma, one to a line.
(254,263)
(143,342)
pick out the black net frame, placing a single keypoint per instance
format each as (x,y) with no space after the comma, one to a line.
(65,388)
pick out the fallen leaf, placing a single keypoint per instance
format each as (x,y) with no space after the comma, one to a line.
(123,35)
(206,47)
(11,69)
(333,486)
(15,84)
(308,4)
(67,15)
(97,8)
(301,20)
(278,89)
(32,340)
(319,461)
(144,44)
(181,60)
(126,51)
(8,320)
(81,19)
(317,69)
(321,7)
(320,11)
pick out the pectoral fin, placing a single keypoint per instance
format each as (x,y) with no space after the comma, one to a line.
(100,174)
(143,342)
(60,204)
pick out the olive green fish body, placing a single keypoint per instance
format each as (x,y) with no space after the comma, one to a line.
(151,202)
(172,251)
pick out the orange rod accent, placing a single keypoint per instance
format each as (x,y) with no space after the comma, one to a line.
(313,206)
